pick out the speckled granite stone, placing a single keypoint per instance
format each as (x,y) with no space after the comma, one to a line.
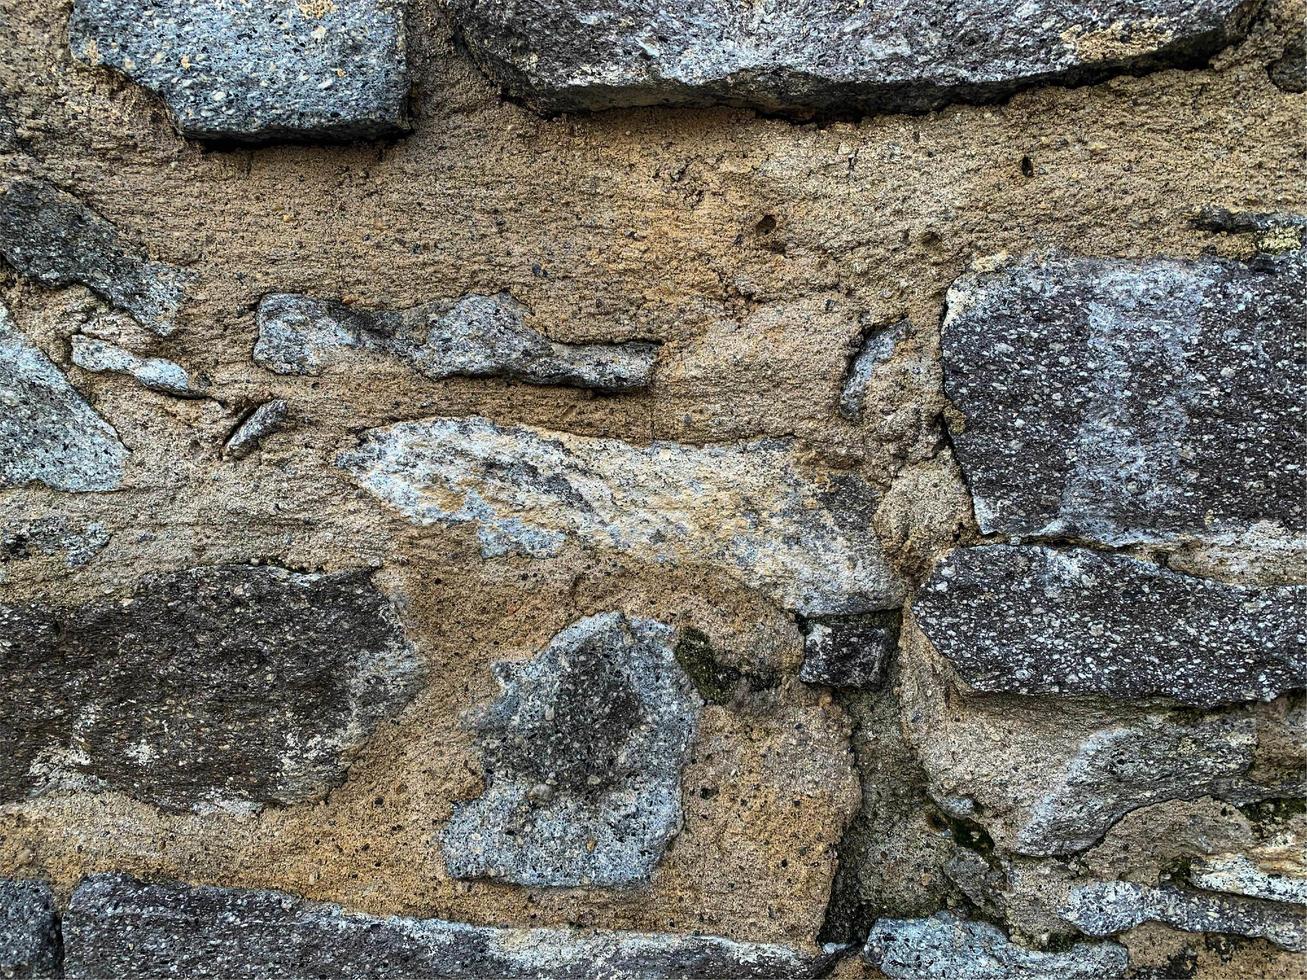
(155,373)
(29,931)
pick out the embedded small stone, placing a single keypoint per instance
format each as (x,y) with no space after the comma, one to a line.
(1275,871)
(583,753)
(117,926)
(154,373)
(849,651)
(476,336)
(257,72)
(53,535)
(52,237)
(225,687)
(829,55)
(876,350)
(48,433)
(948,947)
(1289,72)
(29,930)
(1106,908)
(1036,620)
(806,538)
(1131,402)
(261,423)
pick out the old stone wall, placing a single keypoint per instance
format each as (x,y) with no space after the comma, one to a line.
(604,488)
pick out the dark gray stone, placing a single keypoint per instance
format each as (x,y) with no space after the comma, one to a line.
(849,651)
(1133,401)
(947,947)
(255,72)
(48,433)
(155,373)
(583,754)
(214,688)
(1213,218)
(476,336)
(827,55)
(29,930)
(1289,71)
(1035,620)
(257,426)
(876,349)
(119,927)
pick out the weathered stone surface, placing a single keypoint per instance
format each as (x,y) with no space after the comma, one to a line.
(1035,620)
(51,536)
(52,237)
(29,930)
(749,508)
(254,73)
(1276,872)
(155,373)
(1106,908)
(222,687)
(117,926)
(1132,401)
(946,946)
(876,349)
(848,651)
(48,433)
(1289,72)
(257,426)
(476,336)
(583,753)
(911,55)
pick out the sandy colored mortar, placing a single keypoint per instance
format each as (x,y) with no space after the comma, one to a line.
(649,224)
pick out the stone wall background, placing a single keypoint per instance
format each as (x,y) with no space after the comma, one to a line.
(757,251)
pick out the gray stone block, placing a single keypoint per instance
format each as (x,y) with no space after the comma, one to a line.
(849,651)
(155,373)
(257,426)
(29,930)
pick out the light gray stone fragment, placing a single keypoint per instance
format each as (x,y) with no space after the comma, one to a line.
(951,948)
(155,373)
(475,336)
(1036,620)
(876,349)
(1106,908)
(119,927)
(29,930)
(261,423)
(218,688)
(48,433)
(1132,402)
(849,651)
(255,72)
(1276,872)
(52,536)
(52,237)
(827,55)
(806,538)
(583,753)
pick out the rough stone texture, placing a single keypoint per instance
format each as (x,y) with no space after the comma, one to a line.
(257,426)
(805,539)
(876,349)
(117,926)
(1035,620)
(583,753)
(29,930)
(53,238)
(476,336)
(1276,872)
(910,55)
(946,946)
(155,373)
(214,688)
(1132,401)
(78,544)
(254,73)
(848,651)
(48,433)
(1111,907)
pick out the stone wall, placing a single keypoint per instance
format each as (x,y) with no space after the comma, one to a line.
(711,488)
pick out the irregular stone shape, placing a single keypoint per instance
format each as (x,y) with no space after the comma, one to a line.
(1289,72)
(258,425)
(476,336)
(154,373)
(1132,401)
(747,508)
(119,927)
(876,350)
(222,687)
(848,651)
(947,946)
(257,72)
(583,753)
(50,536)
(1106,908)
(52,237)
(1276,872)
(48,434)
(904,56)
(29,930)
(1035,620)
